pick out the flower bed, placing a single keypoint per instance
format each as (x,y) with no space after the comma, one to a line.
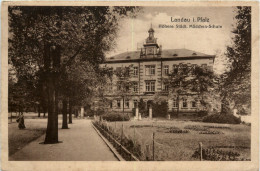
(195,128)
(210,132)
(178,131)
(213,154)
(212,126)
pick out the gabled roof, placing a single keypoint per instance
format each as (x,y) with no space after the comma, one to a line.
(166,54)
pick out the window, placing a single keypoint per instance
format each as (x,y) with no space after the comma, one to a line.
(165,87)
(135,71)
(127,71)
(127,87)
(184,103)
(118,69)
(181,66)
(166,69)
(135,103)
(174,104)
(193,66)
(118,87)
(118,103)
(204,65)
(175,69)
(135,87)
(184,68)
(111,104)
(126,103)
(111,69)
(150,86)
(110,86)
(193,104)
(150,70)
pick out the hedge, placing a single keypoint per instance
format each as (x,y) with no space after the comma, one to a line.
(115,117)
(202,113)
(222,118)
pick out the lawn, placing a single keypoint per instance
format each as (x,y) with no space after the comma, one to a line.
(181,146)
(17,139)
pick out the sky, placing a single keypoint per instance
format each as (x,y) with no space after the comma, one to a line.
(133,32)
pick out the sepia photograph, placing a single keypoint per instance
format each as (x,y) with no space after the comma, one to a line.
(129,83)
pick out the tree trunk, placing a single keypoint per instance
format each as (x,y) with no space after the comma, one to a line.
(64,115)
(52,63)
(178,105)
(123,108)
(225,109)
(76,113)
(70,114)
(39,112)
(52,126)
(11,117)
(44,112)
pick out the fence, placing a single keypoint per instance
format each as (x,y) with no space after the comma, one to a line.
(138,146)
(131,147)
(118,144)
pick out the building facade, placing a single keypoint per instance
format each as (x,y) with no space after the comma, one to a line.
(148,67)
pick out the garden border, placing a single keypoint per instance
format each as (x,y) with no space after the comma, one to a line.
(121,146)
(110,146)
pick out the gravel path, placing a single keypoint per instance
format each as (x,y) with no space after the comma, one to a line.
(79,143)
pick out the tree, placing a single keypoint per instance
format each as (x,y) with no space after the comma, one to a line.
(194,81)
(124,83)
(142,106)
(236,80)
(50,38)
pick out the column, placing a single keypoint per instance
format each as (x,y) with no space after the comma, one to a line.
(82,112)
(150,113)
(136,113)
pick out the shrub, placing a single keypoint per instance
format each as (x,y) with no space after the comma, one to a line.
(142,107)
(202,113)
(222,118)
(115,117)
(242,111)
(160,109)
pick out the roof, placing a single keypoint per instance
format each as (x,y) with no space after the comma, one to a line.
(166,54)
(151,30)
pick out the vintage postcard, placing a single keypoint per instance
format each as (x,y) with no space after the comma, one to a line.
(130,85)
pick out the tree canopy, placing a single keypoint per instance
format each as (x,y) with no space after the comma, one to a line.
(236,85)
(191,80)
(60,48)
(85,33)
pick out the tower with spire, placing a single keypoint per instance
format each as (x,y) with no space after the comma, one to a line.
(151,47)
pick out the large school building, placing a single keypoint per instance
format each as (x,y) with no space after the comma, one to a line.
(147,69)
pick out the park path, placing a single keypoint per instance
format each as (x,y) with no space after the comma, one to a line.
(79,143)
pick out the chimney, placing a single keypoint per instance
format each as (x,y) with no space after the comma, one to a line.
(160,49)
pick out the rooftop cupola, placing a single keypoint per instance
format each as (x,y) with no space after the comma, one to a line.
(151,39)
(151,48)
